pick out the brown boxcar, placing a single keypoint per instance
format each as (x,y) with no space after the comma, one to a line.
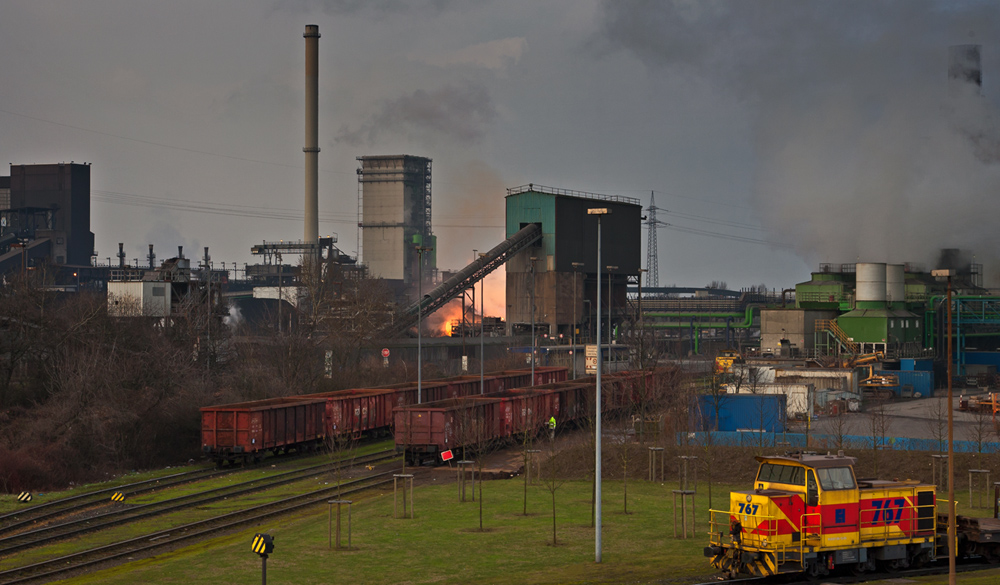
(248,429)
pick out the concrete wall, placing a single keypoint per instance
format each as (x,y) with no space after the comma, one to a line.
(392,213)
(796,325)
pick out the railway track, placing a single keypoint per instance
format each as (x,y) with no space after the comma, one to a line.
(60,531)
(62,506)
(156,542)
(970,566)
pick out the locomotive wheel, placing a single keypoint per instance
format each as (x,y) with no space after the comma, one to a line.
(920,560)
(814,571)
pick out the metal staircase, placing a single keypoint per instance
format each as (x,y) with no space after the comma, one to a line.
(834,330)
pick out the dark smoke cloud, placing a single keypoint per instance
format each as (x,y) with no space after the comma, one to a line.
(861,150)
(459,113)
(376,8)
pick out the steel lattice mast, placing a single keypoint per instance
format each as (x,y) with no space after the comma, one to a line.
(652,260)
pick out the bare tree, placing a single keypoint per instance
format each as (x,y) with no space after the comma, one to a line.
(840,428)
(937,424)
(879,425)
(981,430)
(622,436)
(342,448)
(554,477)
(485,442)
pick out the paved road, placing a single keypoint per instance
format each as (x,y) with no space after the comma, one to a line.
(921,418)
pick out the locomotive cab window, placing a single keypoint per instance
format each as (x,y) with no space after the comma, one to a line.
(786,474)
(836,478)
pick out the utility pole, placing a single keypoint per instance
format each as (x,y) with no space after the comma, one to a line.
(576,316)
(532,319)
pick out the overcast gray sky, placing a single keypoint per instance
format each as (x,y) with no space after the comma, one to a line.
(777,135)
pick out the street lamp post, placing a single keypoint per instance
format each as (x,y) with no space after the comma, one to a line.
(951,439)
(598,211)
(420,308)
(532,319)
(576,316)
(610,303)
(482,327)
(642,337)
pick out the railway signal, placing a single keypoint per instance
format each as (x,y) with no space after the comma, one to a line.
(118,497)
(24,497)
(263,545)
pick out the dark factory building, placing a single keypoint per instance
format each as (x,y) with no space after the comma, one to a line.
(562,278)
(45,216)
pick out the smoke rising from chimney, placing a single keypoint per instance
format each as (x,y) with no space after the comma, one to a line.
(861,150)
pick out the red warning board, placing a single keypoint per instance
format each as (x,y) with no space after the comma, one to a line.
(446,455)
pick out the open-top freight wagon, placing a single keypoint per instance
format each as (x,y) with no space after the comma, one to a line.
(246,430)
(229,432)
(424,431)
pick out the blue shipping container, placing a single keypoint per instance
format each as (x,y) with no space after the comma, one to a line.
(912,382)
(910,365)
(753,412)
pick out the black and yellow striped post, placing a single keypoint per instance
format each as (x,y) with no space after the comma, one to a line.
(118,497)
(263,544)
(25,497)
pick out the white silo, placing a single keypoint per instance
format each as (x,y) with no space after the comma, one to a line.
(871,285)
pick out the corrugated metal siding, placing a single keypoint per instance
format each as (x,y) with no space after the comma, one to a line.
(911,365)
(922,382)
(740,412)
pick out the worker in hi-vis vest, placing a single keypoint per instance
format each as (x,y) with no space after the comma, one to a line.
(552,427)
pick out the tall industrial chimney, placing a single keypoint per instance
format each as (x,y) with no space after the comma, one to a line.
(311,232)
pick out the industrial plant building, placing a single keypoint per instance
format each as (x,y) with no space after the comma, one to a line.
(45,216)
(553,283)
(395,222)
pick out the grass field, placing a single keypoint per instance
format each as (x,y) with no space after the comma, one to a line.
(443,543)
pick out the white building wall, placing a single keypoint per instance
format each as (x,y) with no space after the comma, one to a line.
(139,299)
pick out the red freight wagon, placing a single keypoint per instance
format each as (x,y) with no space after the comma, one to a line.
(550,374)
(459,386)
(248,429)
(354,412)
(510,379)
(428,429)
(521,378)
(406,392)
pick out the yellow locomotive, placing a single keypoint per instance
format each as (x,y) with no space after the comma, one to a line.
(809,513)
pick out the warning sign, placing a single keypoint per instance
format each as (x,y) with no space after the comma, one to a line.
(447,455)
(590,361)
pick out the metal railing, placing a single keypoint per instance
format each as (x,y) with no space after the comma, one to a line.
(582,194)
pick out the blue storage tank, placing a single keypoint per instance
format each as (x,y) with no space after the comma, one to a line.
(911,365)
(912,382)
(739,412)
